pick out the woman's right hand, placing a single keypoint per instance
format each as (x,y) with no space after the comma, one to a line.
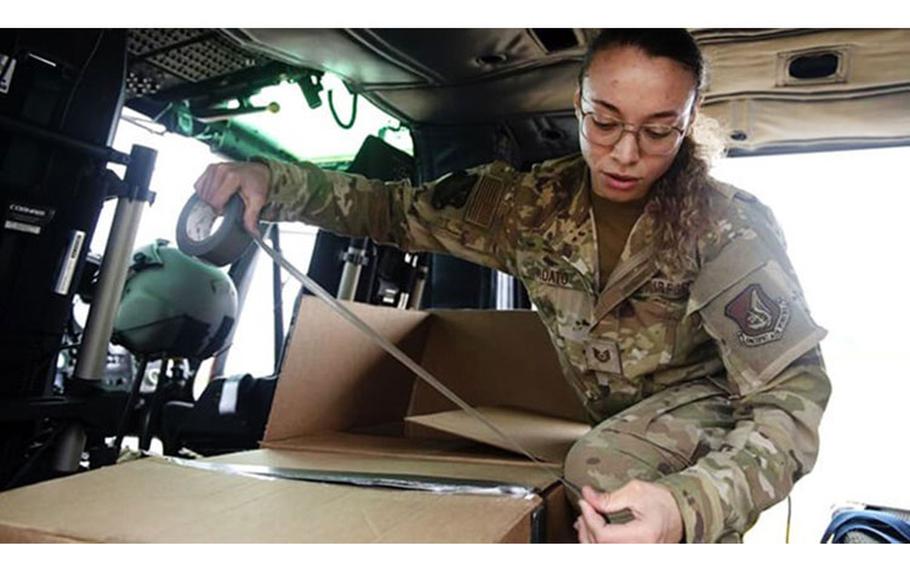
(221,181)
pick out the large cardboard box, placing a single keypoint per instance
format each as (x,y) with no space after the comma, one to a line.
(362,429)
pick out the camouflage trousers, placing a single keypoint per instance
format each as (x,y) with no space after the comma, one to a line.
(660,435)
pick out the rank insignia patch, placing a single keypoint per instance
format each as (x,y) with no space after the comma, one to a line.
(603,356)
(760,318)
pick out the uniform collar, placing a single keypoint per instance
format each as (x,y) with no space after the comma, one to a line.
(636,264)
(572,242)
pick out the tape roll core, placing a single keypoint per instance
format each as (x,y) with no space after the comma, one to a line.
(200,234)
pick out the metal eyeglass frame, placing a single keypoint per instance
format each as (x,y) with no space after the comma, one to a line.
(634,129)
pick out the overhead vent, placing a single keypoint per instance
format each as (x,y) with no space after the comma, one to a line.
(818,66)
(492,59)
(556,39)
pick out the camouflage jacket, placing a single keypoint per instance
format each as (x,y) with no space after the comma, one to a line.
(739,319)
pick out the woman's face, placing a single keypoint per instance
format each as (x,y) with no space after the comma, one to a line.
(626,84)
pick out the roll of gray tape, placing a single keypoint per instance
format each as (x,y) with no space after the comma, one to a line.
(200,234)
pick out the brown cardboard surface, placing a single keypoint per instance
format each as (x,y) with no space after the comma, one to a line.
(335,378)
(152,501)
(546,437)
(560,516)
(494,358)
(457,448)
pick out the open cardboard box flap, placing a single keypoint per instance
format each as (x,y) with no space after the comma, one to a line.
(546,438)
(335,380)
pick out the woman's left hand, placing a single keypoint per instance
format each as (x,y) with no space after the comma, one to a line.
(656,517)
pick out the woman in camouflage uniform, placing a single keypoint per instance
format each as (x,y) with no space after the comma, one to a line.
(668,295)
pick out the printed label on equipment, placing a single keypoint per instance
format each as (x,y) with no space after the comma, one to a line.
(22,227)
(7,73)
(27,218)
(68,266)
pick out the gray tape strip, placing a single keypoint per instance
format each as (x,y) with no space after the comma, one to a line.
(396,481)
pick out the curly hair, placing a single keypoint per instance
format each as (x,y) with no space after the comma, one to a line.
(679,206)
(679,199)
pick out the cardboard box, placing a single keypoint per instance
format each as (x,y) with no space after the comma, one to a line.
(347,412)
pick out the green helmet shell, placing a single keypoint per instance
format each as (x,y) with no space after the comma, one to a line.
(174,304)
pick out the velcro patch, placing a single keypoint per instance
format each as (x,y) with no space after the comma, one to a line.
(483,201)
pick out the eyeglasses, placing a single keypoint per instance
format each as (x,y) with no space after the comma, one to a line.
(656,139)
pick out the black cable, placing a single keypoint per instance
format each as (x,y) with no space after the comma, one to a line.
(131,401)
(49,167)
(152,412)
(75,87)
(353,112)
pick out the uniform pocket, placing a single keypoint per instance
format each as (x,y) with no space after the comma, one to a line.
(648,326)
(685,421)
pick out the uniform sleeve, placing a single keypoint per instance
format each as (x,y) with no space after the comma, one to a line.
(751,304)
(774,443)
(465,214)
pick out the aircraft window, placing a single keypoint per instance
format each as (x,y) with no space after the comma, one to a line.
(844,216)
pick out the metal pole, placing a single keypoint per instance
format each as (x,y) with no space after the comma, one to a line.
(120,242)
(69,448)
(420,282)
(354,259)
(94,150)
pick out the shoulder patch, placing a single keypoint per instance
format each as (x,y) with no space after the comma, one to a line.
(762,326)
(761,319)
(484,199)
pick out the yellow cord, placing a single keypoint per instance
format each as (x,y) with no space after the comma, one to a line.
(789,512)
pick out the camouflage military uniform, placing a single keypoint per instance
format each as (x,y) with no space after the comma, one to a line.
(710,383)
